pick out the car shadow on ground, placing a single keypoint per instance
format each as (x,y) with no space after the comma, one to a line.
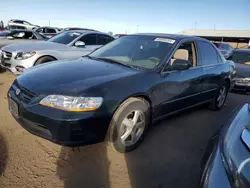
(3,155)
(172,151)
(169,156)
(84,166)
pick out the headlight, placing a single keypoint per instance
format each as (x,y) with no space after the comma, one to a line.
(24,55)
(73,104)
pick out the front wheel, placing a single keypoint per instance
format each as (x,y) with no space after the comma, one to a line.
(129,124)
(220,98)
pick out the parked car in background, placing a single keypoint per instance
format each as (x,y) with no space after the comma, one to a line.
(15,28)
(241,57)
(76,28)
(48,31)
(19,36)
(225,48)
(227,158)
(22,23)
(67,45)
(117,91)
(119,35)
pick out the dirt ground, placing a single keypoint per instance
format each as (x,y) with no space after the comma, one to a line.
(168,157)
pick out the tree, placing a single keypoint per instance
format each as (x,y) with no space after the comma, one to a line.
(110,33)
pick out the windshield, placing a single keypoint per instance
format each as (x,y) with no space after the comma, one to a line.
(65,37)
(140,51)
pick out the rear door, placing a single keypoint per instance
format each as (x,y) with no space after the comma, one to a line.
(213,69)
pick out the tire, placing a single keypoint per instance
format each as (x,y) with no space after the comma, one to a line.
(44,59)
(216,104)
(118,128)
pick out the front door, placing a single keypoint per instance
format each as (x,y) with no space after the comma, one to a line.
(186,84)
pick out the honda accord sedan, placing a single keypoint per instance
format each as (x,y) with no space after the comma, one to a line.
(228,153)
(116,92)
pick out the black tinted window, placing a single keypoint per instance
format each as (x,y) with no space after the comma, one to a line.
(104,39)
(18,21)
(50,30)
(23,35)
(89,39)
(208,53)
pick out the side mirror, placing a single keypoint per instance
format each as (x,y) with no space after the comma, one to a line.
(10,37)
(181,64)
(80,44)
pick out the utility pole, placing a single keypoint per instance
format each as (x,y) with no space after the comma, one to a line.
(49,22)
(195,25)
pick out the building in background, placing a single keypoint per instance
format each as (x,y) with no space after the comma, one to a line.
(236,38)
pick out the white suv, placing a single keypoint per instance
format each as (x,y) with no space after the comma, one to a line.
(22,23)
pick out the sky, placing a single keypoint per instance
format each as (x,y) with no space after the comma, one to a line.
(132,16)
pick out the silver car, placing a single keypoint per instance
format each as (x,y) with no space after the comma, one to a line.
(20,36)
(22,23)
(67,45)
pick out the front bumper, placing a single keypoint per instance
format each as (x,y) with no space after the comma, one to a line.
(14,65)
(241,88)
(61,127)
(215,175)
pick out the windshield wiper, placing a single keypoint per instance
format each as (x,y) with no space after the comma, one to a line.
(112,61)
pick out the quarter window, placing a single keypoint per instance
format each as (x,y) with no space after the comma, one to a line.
(209,55)
(104,39)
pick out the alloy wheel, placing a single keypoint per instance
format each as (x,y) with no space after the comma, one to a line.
(132,127)
(222,96)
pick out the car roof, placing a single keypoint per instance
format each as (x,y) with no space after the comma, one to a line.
(171,36)
(87,31)
(24,30)
(48,27)
(16,20)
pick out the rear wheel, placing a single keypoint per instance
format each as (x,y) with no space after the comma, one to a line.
(129,124)
(220,98)
(44,59)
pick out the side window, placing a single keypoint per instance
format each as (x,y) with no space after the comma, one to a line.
(208,53)
(186,51)
(18,22)
(48,30)
(89,39)
(26,23)
(104,39)
(28,35)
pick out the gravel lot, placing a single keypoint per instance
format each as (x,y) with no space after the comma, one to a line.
(168,157)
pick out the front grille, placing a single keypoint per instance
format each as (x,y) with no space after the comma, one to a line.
(23,95)
(6,55)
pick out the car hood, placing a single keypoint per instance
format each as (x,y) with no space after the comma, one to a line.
(34,46)
(71,77)
(242,70)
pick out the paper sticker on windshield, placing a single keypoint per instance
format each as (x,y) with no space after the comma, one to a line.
(171,41)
